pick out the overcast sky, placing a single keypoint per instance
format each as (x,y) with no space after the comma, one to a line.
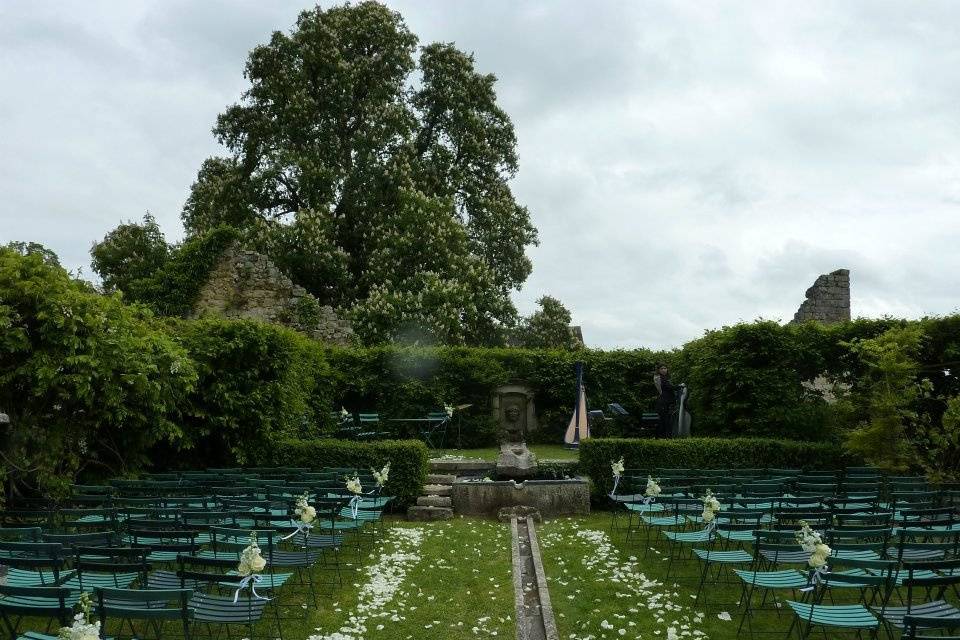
(688,164)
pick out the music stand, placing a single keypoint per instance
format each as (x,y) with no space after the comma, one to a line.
(458,409)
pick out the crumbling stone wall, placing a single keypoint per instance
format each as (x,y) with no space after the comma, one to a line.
(828,300)
(246,284)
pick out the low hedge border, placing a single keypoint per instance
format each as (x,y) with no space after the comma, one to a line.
(409,461)
(596,455)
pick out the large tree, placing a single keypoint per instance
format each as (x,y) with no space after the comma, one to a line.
(377,174)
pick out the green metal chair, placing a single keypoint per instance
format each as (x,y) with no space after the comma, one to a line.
(153,607)
(870,576)
(930,628)
(764,582)
(116,567)
(215,585)
(925,578)
(733,527)
(34,564)
(53,604)
(918,544)
(434,430)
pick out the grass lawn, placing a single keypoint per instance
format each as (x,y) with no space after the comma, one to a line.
(543,452)
(452,579)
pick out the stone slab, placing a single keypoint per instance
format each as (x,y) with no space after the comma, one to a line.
(516,461)
(422,514)
(434,501)
(436,490)
(441,478)
(459,466)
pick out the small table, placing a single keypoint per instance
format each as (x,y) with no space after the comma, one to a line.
(426,421)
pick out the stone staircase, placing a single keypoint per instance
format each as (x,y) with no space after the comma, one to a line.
(435,503)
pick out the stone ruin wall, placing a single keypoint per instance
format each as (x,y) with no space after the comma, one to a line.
(828,300)
(246,284)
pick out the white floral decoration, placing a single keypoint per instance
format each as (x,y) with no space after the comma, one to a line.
(381,476)
(82,628)
(711,506)
(653,488)
(303,510)
(617,467)
(354,486)
(251,559)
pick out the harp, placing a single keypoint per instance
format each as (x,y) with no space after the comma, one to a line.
(578,428)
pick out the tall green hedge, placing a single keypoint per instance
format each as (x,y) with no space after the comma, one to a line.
(747,379)
(406,382)
(596,455)
(409,461)
(89,383)
(258,384)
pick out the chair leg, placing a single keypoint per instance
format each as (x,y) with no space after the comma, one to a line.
(703,579)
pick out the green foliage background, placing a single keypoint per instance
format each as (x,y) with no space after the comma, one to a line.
(96,386)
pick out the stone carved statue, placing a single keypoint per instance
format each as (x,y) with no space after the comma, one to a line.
(513,426)
(515,460)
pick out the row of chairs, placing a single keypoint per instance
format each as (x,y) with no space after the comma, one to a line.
(900,557)
(155,558)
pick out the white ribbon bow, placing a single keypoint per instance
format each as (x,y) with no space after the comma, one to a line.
(815,577)
(616,481)
(302,527)
(354,506)
(250,581)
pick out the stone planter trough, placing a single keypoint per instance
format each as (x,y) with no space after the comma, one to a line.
(551,497)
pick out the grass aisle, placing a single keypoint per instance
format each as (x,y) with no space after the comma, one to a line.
(601,590)
(424,581)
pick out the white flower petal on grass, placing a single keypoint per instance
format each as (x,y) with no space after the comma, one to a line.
(723,615)
(384,579)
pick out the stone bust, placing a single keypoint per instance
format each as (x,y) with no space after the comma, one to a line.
(513,423)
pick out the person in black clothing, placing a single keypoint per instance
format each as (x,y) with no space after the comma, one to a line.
(666,400)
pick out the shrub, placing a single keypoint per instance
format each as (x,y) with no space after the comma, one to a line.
(411,381)
(89,382)
(258,384)
(596,455)
(409,461)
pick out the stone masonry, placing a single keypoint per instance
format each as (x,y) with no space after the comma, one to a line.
(246,284)
(828,300)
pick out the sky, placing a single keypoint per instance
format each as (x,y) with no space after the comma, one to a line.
(688,164)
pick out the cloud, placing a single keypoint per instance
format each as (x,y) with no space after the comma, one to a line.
(688,165)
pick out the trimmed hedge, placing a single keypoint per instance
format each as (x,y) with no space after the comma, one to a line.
(258,384)
(409,461)
(596,455)
(412,381)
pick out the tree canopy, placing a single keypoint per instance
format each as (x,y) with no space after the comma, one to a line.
(376,173)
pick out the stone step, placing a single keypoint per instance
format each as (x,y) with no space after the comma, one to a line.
(429,513)
(440,465)
(441,478)
(434,501)
(436,490)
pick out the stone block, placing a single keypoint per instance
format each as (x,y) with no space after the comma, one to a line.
(516,461)
(434,501)
(436,490)
(507,513)
(424,514)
